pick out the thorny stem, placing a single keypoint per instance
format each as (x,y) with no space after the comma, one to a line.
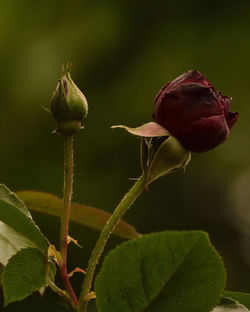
(68,186)
(123,206)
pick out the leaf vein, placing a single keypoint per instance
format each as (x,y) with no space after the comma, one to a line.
(171,276)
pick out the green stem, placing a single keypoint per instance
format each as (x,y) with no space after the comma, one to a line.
(124,205)
(68,186)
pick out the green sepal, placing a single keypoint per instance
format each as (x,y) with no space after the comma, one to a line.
(168,157)
(147,130)
(143,154)
(160,152)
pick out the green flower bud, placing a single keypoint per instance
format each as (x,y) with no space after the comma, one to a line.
(68,105)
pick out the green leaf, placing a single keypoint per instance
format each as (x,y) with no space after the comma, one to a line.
(10,242)
(24,274)
(168,271)
(243,298)
(11,198)
(86,215)
(24,249)
(19,222)
(17,228)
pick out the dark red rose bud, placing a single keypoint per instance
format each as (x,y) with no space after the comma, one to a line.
(192,110)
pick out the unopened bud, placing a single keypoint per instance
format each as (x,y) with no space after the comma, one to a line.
(68,105)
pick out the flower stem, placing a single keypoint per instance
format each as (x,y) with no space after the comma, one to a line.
(68,186)
(123,206)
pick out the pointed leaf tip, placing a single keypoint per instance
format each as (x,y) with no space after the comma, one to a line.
(149,130)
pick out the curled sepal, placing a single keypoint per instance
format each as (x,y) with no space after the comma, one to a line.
(160,152)
(149,130)
(168,157)
(68,105)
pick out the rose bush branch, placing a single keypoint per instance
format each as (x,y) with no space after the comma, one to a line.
(190,116)
(68,107)
(162,159)
(124,205)
(189,109)
(68,188)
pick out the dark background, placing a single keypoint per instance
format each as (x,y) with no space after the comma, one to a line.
(122,54)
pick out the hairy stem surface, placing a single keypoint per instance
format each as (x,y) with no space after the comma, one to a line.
(68,187)
(123,206)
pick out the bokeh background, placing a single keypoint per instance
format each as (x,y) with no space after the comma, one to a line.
(122,53)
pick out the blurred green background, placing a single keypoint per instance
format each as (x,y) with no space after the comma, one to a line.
(122,53)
